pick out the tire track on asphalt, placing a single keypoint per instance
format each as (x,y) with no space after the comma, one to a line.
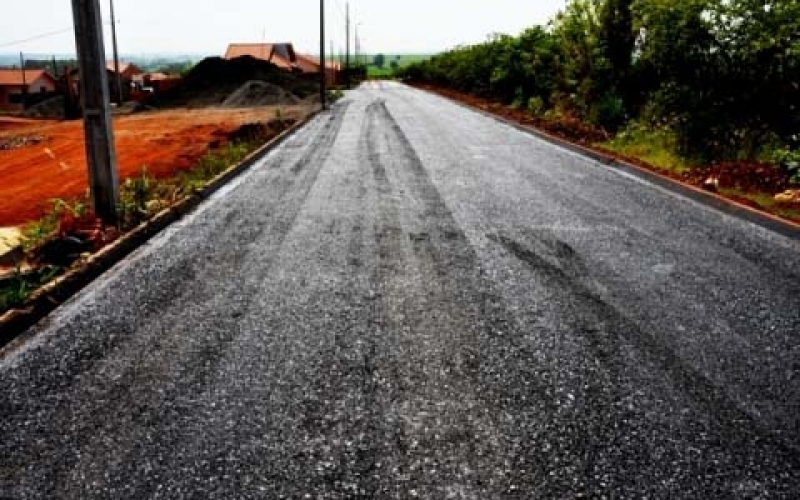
(434,414)
(162,359)
(607,331)
(601,423)
(291,189)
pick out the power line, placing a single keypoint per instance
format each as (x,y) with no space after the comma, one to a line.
(45,35)
(37,37)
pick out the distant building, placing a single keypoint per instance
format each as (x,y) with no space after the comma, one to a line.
(284,56)
(128,71)
(152,83)
(13,85)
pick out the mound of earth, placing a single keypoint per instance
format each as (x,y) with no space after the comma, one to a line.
(260,93)
(51,108)
(212,81)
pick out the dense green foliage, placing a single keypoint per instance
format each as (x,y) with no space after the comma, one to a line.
(722,75)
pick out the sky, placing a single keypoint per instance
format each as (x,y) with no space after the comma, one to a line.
(206,27)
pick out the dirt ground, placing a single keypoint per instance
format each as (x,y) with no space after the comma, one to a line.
(45,160)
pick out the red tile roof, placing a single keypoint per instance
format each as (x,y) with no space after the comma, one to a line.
(124,68)
(280,54)
(13,77)
(310,64)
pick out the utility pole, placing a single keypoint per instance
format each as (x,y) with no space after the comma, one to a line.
(119,95)
(99,139)
(323,69)
(24,81)
(347,46)
(357,45)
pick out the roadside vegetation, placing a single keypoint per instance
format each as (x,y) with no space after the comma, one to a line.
(685,85)
(70,232)
(381,66)
(388,65)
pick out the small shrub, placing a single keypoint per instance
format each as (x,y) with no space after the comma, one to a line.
(134,195)
(15,291)
(789,163)
(536,106)
(609,113)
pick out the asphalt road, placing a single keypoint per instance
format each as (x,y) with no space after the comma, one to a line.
(410,300)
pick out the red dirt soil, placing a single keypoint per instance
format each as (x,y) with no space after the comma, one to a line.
(165,142)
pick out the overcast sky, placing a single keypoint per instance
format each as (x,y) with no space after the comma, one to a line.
(207,26)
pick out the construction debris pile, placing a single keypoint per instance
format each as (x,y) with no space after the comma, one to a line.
(243,81)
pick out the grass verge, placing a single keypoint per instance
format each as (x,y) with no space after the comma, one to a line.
(656,147)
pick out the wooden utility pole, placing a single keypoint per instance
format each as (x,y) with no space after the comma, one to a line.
(323,69)
(24,94)
(99,139)
(357,45)
(119,95)
(347,46)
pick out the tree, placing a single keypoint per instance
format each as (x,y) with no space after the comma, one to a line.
(617,41)
(379,60)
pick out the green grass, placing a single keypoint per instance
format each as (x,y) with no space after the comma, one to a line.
(657,147)
(387,71)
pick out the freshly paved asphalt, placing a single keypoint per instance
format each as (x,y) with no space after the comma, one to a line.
(410,300)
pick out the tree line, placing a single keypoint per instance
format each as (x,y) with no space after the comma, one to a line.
(723,75)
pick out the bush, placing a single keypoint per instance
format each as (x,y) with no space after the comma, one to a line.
(608,113)
(536,106)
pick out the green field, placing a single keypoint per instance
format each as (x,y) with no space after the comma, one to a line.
(387,71)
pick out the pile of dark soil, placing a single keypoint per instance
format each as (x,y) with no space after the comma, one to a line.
(260,131)
(51,108)
(214,79)
(260,93)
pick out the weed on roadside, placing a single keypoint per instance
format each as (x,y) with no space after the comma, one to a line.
(16,289)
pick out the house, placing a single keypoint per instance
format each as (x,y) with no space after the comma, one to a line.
(310,64)
(128,71)
(283,56)
(35,82)
(146,84)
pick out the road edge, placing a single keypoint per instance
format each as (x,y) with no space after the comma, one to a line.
(725,205)
(14,323)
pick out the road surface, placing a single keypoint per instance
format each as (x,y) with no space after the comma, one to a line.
(411,300)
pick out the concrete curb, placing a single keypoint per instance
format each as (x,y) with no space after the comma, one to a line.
(45,300)
(730,207)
